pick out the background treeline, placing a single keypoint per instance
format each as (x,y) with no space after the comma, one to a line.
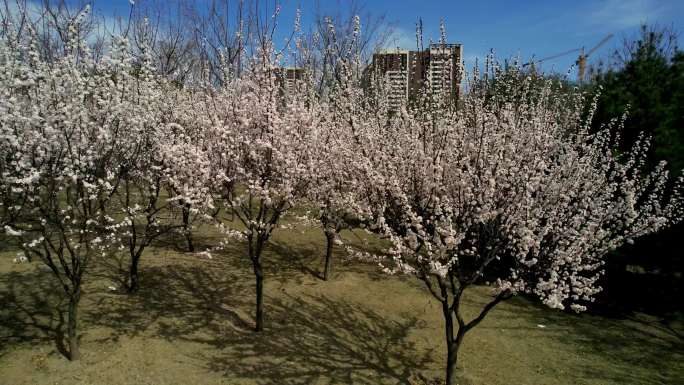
(645,77)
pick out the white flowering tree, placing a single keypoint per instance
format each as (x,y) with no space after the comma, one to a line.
(12,168)
(65,122)
(261,158)
(511,186)
(190,177)
(337,192)
(61,168)
(142,198)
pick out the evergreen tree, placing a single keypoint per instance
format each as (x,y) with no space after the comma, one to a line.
(647,80)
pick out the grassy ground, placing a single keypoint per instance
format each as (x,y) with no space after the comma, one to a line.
(192,323)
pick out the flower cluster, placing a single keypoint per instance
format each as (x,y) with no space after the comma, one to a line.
(511,183)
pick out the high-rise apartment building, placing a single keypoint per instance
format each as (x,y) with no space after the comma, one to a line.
(289,78)
(444,68)
(394,66)
(436,69)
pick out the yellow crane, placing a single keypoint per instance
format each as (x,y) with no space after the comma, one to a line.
(581,59)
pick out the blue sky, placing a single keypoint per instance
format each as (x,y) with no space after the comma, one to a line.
(539,28)
(525,27)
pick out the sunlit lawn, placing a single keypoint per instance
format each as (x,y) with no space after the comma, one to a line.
(192,323)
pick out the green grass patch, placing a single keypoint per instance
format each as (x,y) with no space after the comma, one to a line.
(192,322)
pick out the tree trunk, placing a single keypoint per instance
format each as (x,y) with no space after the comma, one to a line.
(330,239)
(453,344)
(259,295)
(186,227)
(74,352)
(134,285)
(452,359)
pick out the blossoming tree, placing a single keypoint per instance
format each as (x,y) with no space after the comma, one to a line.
(62,168)
(336,191)
(259,147)
(512,185)
(143,157)
(65,121)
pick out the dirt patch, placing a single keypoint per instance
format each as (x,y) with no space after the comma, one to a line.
(191,323)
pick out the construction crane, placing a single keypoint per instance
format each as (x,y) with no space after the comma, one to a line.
(581,59)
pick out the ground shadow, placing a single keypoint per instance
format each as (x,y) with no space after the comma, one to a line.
(310,338)
(283,258)
(174,240)
(32,308)
(628,350)
(176,300)
(306,338)
(309,259)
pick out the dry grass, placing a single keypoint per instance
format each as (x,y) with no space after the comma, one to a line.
(191,324)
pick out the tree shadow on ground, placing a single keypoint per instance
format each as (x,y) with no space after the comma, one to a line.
(32,309)
(177,242)
(187,293)
(309,258)
(307,338)
(112,268)
(281,258)
(628,350)
(176,300)
(310,338)
(210,302)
